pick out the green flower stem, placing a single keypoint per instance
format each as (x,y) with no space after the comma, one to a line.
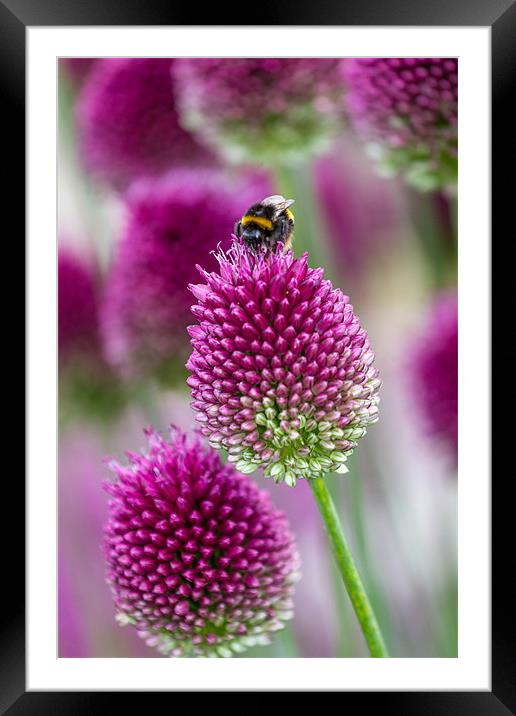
(351,492)
(288,643)
(348,571)
(445,213)
(346,642)
(434,224)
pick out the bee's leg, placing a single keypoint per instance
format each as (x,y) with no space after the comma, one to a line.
(286,236)
(238,229)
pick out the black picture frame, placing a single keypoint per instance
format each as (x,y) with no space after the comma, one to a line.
(500,15)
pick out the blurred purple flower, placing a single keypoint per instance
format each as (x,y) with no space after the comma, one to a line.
(261,109)
(282,372)
(88,387)
(77,306)
(73,640)
(314,593)
(128,123)
(361,212)
(85,609)
(173,222)
(406,109)
(434,371)
(77,68)
(199,560)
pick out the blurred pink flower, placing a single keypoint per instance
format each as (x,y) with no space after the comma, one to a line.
(434,371)
(85,608)
(314,638)
(128,123)
(72,636)
(77,306)
(173,222)
(88,388)
(360,211)
(77,68)
(261,109)
(406,109)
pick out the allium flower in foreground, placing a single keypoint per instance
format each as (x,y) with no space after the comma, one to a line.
(434,371)
(261,109)
(171,222)
(128,123)
(199,560)
(282,372)
(406,109)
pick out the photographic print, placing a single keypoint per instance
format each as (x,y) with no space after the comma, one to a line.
(258,357)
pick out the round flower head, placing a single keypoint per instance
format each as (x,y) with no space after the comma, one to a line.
(171,222)
(434,371)
(262,108)
(406,109)
(199,560)
(128,123)
(282,373)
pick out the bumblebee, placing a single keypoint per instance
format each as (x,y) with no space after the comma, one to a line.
(265,224)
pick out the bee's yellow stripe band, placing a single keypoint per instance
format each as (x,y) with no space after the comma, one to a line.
(289,214)
(258,220)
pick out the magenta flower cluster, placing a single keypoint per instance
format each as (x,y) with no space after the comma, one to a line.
(434,371)
(406,109)
(261,109)
(171,222)
(282,373)
(128,122)
(199,560)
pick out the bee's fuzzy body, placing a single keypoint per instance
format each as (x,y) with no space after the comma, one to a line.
(266,224)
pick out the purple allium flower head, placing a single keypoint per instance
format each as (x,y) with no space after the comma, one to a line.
(172,222)
(77,306)
(282,372)
(199,560)
(406,109)
(434,371)
(128,122)
(260,109)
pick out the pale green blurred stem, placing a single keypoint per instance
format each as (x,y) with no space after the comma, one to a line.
(91,205)
(346,644)
(435,226)
(287,640)
(148,400)
(357,515)
(295,182)
(348,571)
